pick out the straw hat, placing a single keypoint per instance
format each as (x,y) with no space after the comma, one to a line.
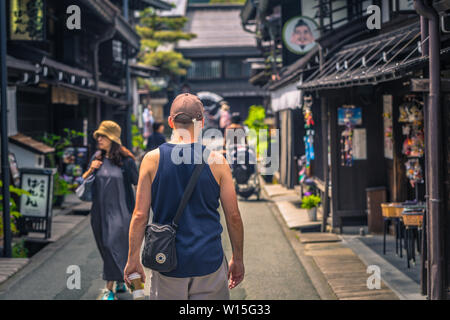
(110,129)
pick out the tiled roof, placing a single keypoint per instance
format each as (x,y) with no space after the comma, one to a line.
(216,26)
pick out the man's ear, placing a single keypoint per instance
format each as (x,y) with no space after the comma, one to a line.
(170,121)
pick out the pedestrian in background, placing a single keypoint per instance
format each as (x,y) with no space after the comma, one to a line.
(112,203)
(157,138)
(202,271)
(147,118)
(225,117)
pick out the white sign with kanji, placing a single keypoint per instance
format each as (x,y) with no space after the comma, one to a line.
(35,204)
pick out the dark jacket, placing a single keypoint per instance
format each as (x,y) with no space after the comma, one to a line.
(155,140)
(130,177)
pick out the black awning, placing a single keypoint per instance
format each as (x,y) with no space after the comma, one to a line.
(383,58)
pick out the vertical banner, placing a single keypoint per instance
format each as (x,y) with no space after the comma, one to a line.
(388,127)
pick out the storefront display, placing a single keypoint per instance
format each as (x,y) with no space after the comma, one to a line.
(75,162)
(348,116)
(309,125)
(411,117)
(388,127)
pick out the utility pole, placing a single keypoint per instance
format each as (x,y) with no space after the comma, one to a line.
(129,106)
(4,133)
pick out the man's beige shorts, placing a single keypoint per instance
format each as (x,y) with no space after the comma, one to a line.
(213,286)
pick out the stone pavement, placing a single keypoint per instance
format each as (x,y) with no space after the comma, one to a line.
(62,223)
(288,203)
(341,263)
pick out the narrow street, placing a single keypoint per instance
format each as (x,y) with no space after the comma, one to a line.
(273,271)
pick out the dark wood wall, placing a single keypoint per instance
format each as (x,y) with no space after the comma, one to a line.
(34,114)
(349,183)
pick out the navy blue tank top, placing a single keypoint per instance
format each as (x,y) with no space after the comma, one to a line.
(198,241)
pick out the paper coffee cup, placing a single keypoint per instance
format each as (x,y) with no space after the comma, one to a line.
(137,287)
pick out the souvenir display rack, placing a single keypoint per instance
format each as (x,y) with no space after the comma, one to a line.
(411,118)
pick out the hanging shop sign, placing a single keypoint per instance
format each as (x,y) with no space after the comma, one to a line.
(388,127)
(300,34)
(27,20)
(349,114)
(64,96)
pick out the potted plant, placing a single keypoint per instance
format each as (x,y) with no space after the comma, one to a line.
(310,203)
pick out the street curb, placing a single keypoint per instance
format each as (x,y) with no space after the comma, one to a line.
(43,255)
(317,278)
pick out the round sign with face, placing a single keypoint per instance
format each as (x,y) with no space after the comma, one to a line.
(300,34)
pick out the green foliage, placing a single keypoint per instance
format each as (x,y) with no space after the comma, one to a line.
(13,209)
(256,116)
(156,34)
(59,143)
(310,202)
(19,250)
(255,121)
(137,138)
(60,186)
(169,62)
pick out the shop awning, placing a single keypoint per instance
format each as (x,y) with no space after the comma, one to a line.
(382,58)
(287,97)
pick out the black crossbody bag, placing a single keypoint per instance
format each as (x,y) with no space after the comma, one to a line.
(159,252)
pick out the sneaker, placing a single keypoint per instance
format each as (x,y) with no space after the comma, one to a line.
(121,287)
(108,295)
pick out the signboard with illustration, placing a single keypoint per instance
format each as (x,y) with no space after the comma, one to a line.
(27,20)
(300,34)
(349,114)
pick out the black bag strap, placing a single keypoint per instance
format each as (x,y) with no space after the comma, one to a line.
(188,191)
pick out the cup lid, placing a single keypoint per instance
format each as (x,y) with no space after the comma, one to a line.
(133,276)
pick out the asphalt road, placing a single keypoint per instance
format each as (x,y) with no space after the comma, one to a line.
(273,271)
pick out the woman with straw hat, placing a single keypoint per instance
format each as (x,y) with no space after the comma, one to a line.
(112,203)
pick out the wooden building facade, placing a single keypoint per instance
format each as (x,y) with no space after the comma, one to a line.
(71,78)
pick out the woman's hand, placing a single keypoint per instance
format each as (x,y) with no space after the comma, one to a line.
(96,164)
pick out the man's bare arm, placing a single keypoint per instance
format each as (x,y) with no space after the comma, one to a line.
(140,214)
(233,220)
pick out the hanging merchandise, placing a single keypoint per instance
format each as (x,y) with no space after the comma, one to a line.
(414,172)
(411,115)
(347,137)
(309,136)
